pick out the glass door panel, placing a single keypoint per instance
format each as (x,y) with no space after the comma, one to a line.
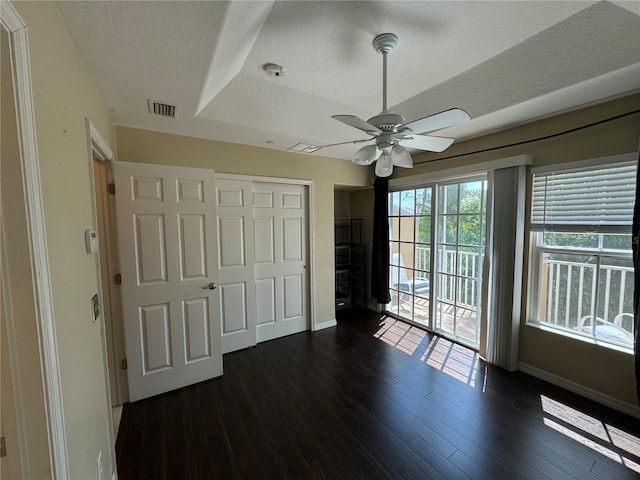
(410,254)
(460,245)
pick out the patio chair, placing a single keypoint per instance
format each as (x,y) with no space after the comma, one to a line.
(624,319)
(400,281)
(605,330)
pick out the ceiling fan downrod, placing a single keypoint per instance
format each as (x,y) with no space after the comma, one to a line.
(384,44)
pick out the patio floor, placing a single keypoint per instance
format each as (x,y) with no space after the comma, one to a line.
(459,323)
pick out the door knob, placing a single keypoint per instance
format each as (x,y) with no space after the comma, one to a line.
(210,286)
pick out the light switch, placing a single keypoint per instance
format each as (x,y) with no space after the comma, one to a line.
(91,241)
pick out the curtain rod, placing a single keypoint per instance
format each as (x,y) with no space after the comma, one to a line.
(532,140)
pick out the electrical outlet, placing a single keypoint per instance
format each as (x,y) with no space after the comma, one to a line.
(100,466)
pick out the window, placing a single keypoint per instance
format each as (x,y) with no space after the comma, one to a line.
(582,268)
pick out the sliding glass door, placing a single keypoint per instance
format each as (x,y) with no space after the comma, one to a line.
(450,220)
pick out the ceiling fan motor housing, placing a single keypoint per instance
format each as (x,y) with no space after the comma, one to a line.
(387,122)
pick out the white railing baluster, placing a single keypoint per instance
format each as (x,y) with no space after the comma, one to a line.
(594,281)
(568,298)
(550,269)
(623,279)
(557,296)
(580,291)
(607,289)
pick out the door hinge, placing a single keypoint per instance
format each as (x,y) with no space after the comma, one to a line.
(111,188)
(123,364)
(3,447)
(118,278)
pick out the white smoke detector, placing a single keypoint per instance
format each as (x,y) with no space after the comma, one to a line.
(273,70)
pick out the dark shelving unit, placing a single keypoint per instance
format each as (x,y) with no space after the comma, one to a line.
(349,263)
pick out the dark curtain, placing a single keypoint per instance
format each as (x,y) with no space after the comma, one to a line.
(380,253)
(636,280)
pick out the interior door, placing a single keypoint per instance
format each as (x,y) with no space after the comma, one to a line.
(235,264)
(280,222)
(167,232)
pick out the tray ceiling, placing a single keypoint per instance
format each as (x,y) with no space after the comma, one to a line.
(505,63)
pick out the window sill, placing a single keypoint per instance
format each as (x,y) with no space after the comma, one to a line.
(575,336)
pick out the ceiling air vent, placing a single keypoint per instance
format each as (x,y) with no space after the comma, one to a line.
(303,147)
(163,109)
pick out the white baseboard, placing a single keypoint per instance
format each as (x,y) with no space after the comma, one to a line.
(323,325)
(589,393)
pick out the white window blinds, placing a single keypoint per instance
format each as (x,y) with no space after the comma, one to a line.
(598,198)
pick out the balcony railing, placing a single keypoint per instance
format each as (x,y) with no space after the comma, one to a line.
(588,297)
(464,272)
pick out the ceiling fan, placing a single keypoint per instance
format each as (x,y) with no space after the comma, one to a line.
(389,131)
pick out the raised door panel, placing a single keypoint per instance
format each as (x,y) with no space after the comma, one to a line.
(147,189)
(190,190)
(292,239)
(291,200)
(233,308)
(196,324)
(193,254)
(266,299)
(150,249)
(293,296)
(231,242)
(155,338)
(264,240)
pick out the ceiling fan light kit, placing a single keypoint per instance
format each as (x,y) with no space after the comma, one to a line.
(366,155)
(390,132)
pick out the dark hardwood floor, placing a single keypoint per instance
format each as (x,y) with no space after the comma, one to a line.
(372,398)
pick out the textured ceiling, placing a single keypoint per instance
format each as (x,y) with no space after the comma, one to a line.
(503,62)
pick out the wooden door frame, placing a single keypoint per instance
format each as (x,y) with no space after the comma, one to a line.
(111,311)
(113,337)
(313,326)
(15,26)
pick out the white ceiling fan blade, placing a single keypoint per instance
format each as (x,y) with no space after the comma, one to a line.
(437,121)
(427,142)
(358,123)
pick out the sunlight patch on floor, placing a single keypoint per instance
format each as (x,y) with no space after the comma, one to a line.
(605,439)
(448,357)
(400,335)
(455,360)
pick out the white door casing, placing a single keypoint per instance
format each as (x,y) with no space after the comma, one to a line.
(235,264)
(280,219)
(167,233)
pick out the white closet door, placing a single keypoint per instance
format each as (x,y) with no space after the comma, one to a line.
(280,220)
(235,260)
(167,232)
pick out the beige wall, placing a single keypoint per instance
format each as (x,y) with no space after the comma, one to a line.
(64,94)
(597,368)
(135,145)
(341,204)
(362,207)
